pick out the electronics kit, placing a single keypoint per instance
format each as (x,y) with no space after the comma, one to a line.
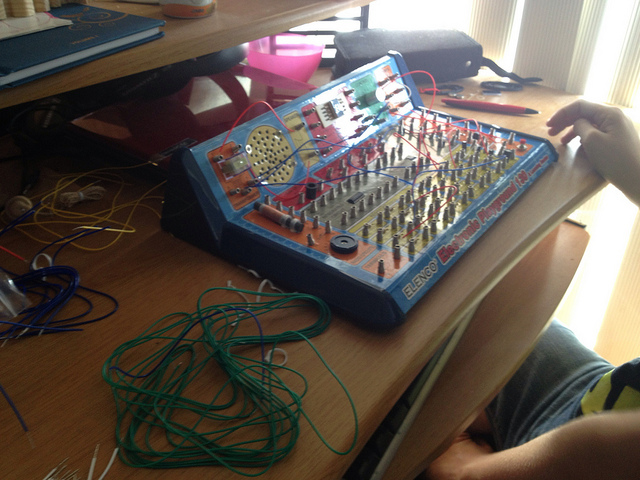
(355,192)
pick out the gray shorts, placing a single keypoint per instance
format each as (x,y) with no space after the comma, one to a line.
(546,390)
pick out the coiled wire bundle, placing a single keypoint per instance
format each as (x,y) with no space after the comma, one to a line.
(250,422)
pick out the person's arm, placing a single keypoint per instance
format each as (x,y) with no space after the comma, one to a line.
(598,446)
(609,139)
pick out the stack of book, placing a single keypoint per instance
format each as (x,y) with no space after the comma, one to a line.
(90,32)
(28,8)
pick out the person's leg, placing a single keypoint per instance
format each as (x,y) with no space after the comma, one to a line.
(545,392)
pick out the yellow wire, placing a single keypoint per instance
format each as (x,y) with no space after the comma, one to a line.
(49,200)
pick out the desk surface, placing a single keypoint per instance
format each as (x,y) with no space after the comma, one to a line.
(55,380)
(234,22)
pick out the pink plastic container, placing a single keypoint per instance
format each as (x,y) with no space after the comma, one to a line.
(287,54)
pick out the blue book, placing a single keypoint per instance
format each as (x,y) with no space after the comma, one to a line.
(96,32)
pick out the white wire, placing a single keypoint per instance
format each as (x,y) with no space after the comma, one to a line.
(93,463)
(113,457)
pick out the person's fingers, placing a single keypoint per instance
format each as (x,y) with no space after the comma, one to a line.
(564,117)
(567,137)
(584,128)
(580,109)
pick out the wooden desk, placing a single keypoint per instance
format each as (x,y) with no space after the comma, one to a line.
(55,379)
(234,22)
(503,329)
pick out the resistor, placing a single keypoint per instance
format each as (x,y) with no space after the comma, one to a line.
(279,217)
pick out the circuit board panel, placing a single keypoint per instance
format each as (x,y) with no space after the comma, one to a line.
(354,192)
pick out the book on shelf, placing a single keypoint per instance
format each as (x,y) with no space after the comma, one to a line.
(95,32)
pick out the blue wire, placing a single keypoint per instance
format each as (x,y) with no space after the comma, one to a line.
(15,409)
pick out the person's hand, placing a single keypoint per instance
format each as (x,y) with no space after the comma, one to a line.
(459,457)
(609,139)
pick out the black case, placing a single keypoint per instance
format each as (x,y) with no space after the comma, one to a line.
(445,54)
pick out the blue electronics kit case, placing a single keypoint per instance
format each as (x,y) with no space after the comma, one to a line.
(354,192)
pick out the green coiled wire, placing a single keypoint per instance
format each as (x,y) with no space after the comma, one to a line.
(250,422)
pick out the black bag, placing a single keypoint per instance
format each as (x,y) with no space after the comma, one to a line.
(445,54)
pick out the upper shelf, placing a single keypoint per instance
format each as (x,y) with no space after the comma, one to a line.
(234,22)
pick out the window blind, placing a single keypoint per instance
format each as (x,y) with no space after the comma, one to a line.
(565,43)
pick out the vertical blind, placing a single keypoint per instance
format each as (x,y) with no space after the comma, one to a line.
(580,46)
